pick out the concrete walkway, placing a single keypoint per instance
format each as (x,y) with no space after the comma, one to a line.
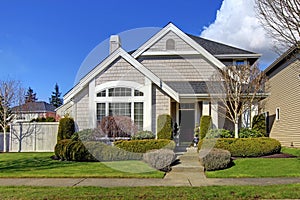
(188,172)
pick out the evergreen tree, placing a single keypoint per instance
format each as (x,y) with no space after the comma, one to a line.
(55,99)
(30,96)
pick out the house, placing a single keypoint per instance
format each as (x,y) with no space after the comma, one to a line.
(33,110)
(282,107)
(165,75)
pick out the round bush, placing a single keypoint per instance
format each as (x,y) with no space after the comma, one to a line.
(142,146)
(219,133)
(214,159)
(143,135)
(249,133)
(160,159)
(244,147)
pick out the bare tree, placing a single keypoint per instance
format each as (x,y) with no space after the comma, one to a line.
(235,89)
(10,91)
(281,20)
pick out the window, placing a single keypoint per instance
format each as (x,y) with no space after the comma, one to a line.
(119,92)
(170,44)
(277,114)
(100,111)
(187,106)
(120,109)
(121,101)
(102,93)
(240,62)
(138,115)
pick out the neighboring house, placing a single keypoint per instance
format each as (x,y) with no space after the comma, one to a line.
(32,110)
(166,75)
(283,105)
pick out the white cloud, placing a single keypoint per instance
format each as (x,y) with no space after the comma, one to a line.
(236,24)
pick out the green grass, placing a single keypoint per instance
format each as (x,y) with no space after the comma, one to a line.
(17,165)
(260,167)
(209,192)
(292,151)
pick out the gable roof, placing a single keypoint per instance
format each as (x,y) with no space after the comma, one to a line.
(216,48)
(281,59)
(34,107)
(171,27)
(111,58)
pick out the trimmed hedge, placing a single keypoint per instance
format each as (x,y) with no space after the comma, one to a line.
(214,159)
(205,125)
(143,135)
(160,159)
(244,147)
(164,127)
(142,146)
(66,128)
(71,150)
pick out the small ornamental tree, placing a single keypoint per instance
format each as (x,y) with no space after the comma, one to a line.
(66,128)
(205,125)
(164,127)
(118,126)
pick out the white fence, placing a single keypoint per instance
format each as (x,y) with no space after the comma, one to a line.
(33,137)
(1,141)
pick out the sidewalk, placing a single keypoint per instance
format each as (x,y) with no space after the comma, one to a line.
(187,173)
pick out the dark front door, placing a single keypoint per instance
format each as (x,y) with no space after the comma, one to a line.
(187,125)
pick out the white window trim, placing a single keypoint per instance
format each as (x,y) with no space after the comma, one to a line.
(126,99)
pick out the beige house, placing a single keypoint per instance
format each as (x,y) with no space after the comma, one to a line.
(283,105)
(166,75)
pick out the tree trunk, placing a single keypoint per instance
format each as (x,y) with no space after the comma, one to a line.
(4,140)
(236,130)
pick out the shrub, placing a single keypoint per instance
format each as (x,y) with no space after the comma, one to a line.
(259,124)
(117,126)
(214,159)
(160,159)
(66,128)
(71,150)
(142,146)
(244,147)
(219,133)
(88,135)
(164,127)
(142,135)
(249,133)
(205,125)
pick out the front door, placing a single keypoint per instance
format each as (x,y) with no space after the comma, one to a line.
(186,122)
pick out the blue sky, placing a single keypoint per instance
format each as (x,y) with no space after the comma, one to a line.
(43,42)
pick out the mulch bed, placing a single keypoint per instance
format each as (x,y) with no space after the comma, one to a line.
(278,155)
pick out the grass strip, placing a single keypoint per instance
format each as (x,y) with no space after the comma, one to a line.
(291,191)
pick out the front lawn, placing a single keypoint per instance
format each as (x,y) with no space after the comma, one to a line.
(17,165)
(210,192)
(262,167)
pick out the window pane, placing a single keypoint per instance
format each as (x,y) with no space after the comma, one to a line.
(102,93)
(119,92)
(138,93)
(100,111)
(120,109)
(138,115)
